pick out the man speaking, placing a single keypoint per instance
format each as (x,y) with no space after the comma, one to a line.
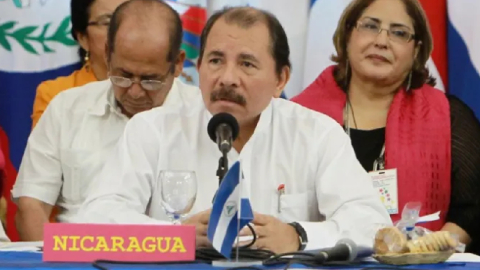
(244,62)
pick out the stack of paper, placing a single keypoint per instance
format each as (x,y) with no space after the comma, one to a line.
(21,246)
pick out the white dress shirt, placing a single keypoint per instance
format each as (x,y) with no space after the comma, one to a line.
(326,189)
(70,143)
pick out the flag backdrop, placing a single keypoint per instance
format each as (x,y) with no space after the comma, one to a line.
(464,51)
(35,45)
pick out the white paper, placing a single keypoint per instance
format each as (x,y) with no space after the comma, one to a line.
(21,246)
(428,218)
(464,257)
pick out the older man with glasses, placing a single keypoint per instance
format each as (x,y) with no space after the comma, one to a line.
(79,128)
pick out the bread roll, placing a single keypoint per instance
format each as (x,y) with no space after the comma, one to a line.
(390,240)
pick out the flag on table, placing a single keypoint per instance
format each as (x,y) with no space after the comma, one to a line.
(323,20)
(231,211)
(464,52)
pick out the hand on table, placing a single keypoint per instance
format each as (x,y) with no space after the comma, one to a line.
(200,221)
(272,234)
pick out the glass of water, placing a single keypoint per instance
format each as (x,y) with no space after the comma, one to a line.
(179,192)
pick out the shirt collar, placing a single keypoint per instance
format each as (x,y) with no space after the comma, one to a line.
(105,102)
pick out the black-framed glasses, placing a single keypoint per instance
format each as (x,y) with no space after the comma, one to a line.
(395,33)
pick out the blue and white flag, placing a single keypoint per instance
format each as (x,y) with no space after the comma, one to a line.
(464,52)
(231,211)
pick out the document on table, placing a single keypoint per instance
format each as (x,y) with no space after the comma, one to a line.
(21,246)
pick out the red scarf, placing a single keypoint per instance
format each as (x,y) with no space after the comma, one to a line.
(417,143)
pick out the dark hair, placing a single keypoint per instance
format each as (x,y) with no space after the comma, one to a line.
(176,30)
(79,15)
(246,17)
(423,38)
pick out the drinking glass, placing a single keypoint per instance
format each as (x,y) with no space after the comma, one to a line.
(178,192)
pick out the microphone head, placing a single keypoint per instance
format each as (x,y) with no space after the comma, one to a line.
(352,247)
(222,118)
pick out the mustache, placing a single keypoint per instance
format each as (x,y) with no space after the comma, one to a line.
(228,94)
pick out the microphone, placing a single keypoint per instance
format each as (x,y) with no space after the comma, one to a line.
(223,129)
(345,250)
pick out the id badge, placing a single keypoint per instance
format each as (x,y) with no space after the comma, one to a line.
(385,183)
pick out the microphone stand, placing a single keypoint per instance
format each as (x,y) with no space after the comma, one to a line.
(222,167)
(221,171)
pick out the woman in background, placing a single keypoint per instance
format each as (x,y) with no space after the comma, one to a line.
(382,93)
(90,20)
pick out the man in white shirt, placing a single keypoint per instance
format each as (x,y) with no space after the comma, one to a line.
(78,130)
(244,61)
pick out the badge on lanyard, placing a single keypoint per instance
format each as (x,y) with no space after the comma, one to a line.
(385,183)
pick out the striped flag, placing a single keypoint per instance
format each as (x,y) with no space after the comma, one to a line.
(193,14)
(464,51)
(231,211)
(323,20)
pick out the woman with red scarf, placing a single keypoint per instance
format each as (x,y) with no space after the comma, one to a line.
(423,143)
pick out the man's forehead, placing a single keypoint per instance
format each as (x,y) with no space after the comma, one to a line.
(231,38)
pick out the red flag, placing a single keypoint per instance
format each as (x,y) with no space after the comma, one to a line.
(437,16)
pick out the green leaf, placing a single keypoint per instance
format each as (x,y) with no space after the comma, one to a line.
(4,43)
(22,33)
(29,48)
(46,48)
(65,40)
(64,26)
(41,38)
(7,25)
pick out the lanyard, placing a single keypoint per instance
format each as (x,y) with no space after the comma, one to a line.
(379,163)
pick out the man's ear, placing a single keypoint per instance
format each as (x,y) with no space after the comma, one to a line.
(283,79)
(179,63)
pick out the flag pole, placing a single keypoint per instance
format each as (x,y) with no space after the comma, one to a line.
(239,213)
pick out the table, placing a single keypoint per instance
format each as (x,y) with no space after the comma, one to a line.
(30,260)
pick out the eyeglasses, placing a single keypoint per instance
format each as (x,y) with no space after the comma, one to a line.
(101,21)
(395,33)
(149,85)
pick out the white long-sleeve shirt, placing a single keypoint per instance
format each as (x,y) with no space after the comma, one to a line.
(70,143)
(326,189)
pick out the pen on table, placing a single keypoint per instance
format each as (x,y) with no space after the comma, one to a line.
(280,192)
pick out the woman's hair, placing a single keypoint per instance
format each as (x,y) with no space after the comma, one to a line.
(423,38)
(80,14)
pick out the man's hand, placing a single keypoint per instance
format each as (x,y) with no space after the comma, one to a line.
(200,221)
(272,234)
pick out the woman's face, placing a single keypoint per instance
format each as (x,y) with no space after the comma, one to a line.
(95,37)
(387,57)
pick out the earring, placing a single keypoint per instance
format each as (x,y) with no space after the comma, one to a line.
(409,83)
(87,60)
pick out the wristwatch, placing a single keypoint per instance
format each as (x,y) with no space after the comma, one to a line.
(302,235)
